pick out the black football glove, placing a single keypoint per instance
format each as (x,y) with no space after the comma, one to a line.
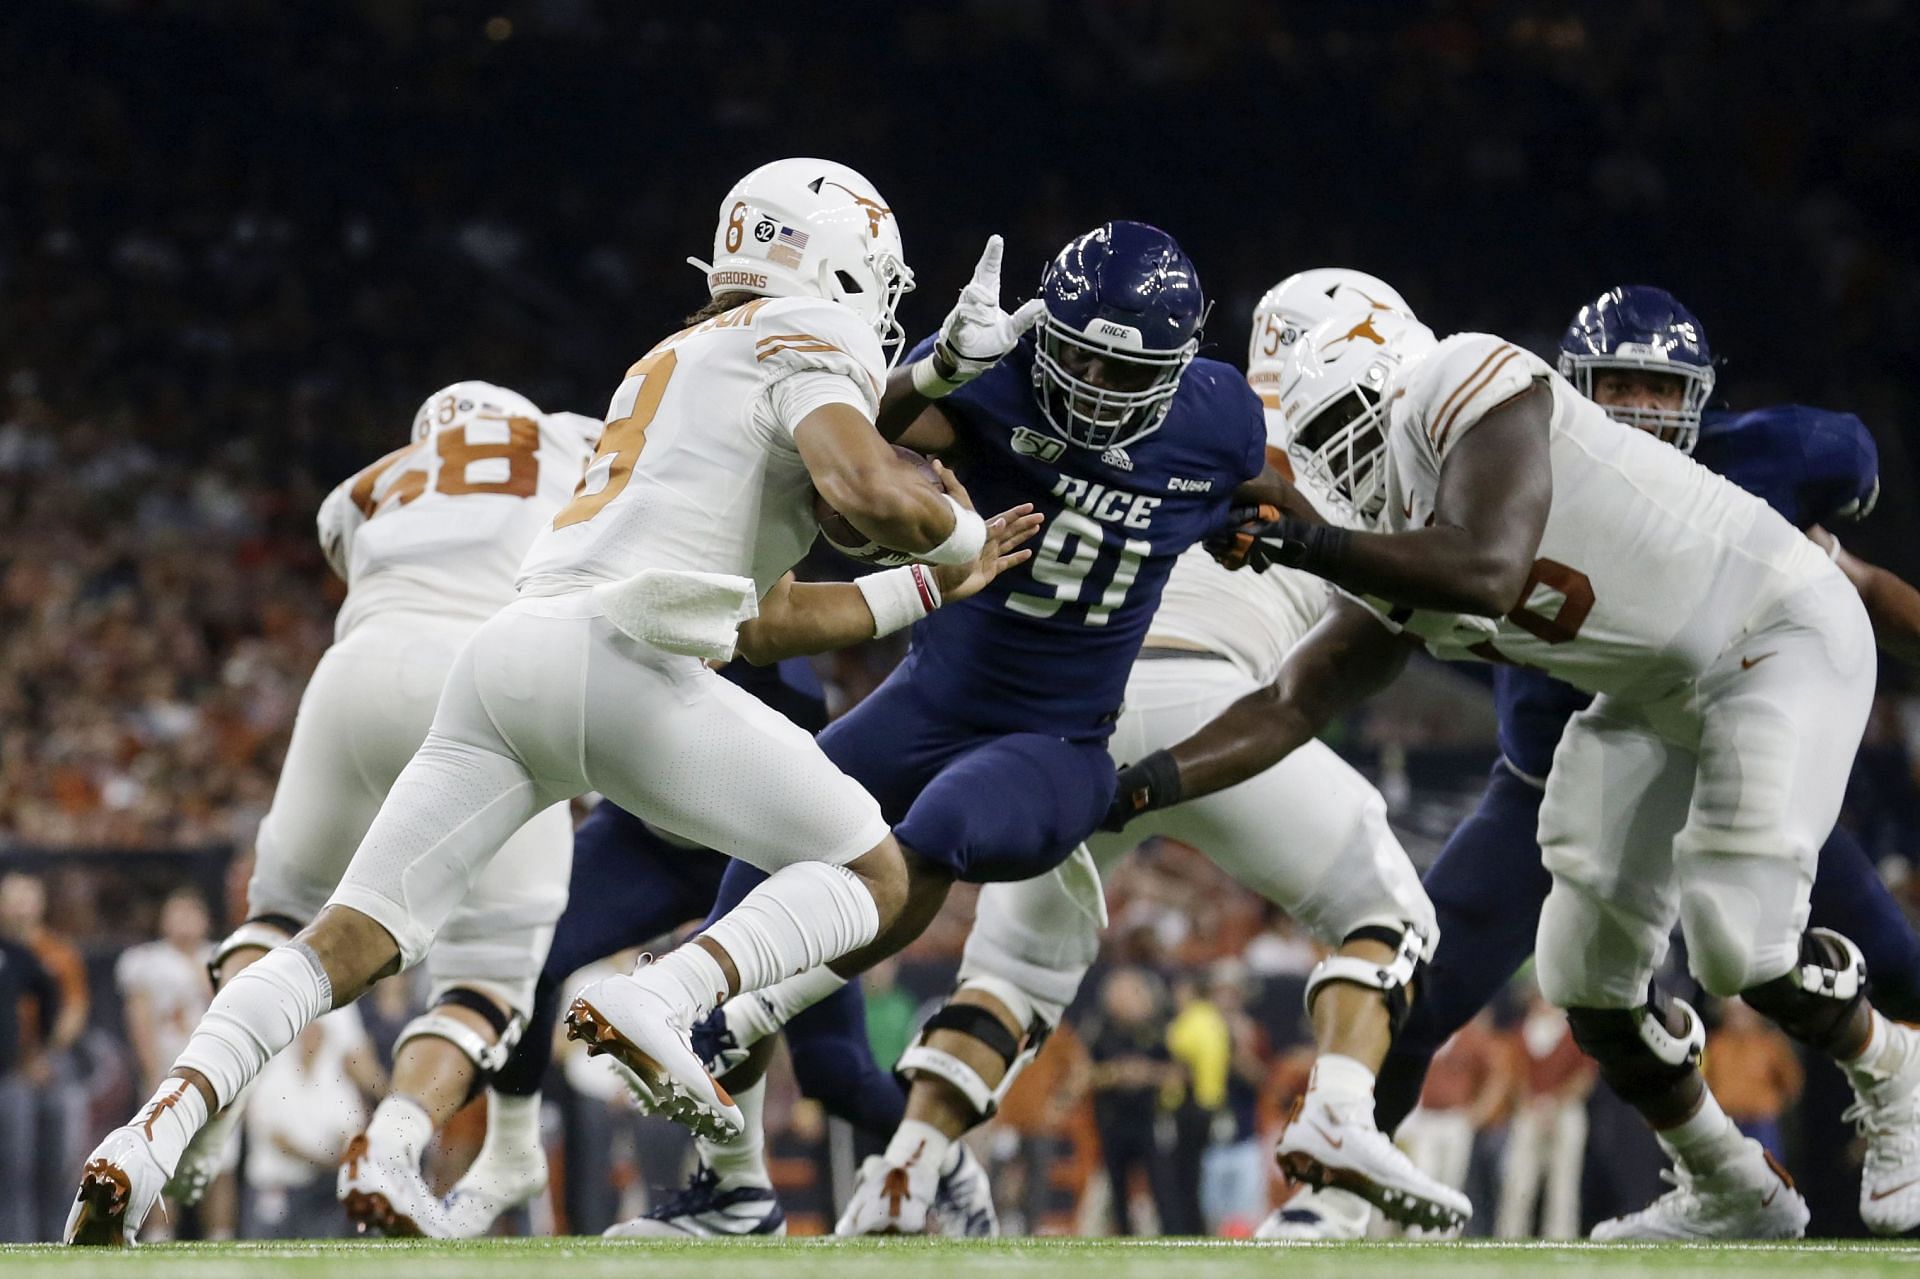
(1153,782)
(1261,537)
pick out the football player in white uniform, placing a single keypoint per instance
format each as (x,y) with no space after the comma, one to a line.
(698,501)
(1733,664)
(1309,834)
(429,540)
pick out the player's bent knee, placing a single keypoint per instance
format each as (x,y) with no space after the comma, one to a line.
(1411,947)
(984,1020)
(487,1052)
(1644,1053)
(1817,1000)
(353,949)
(882,869)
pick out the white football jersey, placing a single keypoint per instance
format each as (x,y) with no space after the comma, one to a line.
(1253,619)
(442,525)
(1650,564)
(696,472)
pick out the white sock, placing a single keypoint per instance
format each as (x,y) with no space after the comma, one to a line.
(759,1013)
(401,1123)
(170,1118)
(1705,1144)
(695,979)
(219,1128)
(801,917)
(915,1141)
(255,1016)
(1337,1079)
(742,1161)
(1885,1052)
(513,1129)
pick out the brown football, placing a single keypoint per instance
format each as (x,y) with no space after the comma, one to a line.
(850,541)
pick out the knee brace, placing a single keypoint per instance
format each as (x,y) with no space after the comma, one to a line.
(1412,947)
(1815,1000)
(262,931)
(1639,1057)
(486,1057)
(976,1022)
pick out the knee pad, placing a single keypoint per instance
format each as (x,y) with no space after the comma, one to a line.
(1815,1000)
(486,1057)
(977,1023)
(262,931)
(1412,947)
(1639,1056)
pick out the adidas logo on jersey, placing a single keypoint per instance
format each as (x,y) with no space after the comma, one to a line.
(1117,458)
(1033,444)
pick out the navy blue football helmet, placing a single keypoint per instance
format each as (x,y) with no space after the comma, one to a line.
(1122,323)
(1637,326)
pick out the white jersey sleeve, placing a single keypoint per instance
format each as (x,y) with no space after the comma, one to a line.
(806,337)
(1454,386)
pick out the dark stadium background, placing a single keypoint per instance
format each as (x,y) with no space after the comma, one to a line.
(240,241)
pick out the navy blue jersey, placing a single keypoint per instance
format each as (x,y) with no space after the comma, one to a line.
(1813,466)
(1048,646)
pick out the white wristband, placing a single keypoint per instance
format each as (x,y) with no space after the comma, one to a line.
(963,544)
(899,597)
(928,381)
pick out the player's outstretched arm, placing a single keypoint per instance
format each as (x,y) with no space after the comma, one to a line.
(1341,662)
(799,619)
(860,476)
(1490,509)
(976,335)
(1892,603)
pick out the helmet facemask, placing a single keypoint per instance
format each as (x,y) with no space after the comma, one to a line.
(1679,427)
(1090,415)
(875,298)
(1342,449)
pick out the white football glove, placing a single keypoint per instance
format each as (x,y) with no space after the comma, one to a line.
(977,333)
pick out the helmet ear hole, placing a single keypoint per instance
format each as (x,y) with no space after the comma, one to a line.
(847,282)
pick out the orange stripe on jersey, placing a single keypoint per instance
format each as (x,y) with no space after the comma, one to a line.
(1446,425)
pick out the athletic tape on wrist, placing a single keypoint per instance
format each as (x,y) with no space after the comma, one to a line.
(899,597)
(964,543)
(928,381)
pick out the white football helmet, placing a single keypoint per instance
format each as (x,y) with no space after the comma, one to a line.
(462,402)
(1301,301)
(812,228)
(1334,397)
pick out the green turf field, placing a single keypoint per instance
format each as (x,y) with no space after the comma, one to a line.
(1000,1259)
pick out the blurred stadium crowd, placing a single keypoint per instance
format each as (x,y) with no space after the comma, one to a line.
(239,241)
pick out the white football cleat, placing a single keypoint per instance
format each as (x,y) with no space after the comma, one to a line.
(119,1186)
(1887,1114)
(889,1200)
(1751,1198)
(1317,1216)
(385,1194)
(205,1156)
(963,1198)
(492,1186)
(1336,1146)
(646,1033)
(704,1211)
